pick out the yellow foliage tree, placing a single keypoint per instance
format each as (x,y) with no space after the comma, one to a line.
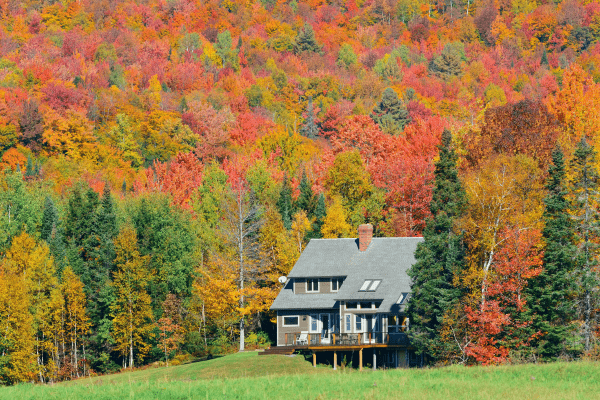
(77,323)
(576,105)
(506,193)
(17,354)
(300,225)
(70,135)
(34,262)
(131,310)
(335,224)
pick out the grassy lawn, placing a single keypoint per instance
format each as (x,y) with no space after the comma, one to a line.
(247,376)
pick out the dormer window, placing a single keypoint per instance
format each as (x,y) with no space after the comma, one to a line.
(312,285)
(336,284)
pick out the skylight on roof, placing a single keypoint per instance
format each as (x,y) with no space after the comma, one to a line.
(364,286)
(370,285)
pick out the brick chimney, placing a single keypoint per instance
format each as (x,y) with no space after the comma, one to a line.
(365,234)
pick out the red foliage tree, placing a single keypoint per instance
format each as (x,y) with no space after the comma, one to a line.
(500,323)
(179,177)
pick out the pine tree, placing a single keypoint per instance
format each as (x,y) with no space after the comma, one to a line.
(320,214)
(585,199)
(439,258)
(544,60)
(107,224)
(30,169)
(390,114)
(285,204)
(550,293)
(306,41)
(49,220)
(306,200)
(310,128)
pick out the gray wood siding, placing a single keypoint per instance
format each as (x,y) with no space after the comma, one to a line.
(303,323)
(282,330)
(300,286)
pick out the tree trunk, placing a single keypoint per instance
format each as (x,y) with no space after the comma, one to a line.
(241,253)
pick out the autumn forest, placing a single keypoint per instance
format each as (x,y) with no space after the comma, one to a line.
(163,162)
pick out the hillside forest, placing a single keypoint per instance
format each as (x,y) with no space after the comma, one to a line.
(165,161)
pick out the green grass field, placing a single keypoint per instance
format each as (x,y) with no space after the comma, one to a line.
(247,376)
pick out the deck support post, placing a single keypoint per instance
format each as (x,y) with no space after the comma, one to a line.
(374,360)
(360,359)
(334,360)
(314,359)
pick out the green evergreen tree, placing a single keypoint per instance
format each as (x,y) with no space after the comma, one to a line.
(439,258)
(183,105)
(30,169)
(107,223)
(320,213)
(551,292)
(306,41)
(49,220)
(285,204)
(310,128)
(585,199)
(390,114)
(544,60)
(306,200)
(449,63)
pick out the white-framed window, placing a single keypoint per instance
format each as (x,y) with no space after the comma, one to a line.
(365,285)
(291,320)
(348,323)
(358,323)
(351,305)
(312,285)
(314,323)
(336,284)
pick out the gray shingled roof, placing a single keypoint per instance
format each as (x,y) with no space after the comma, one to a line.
(387,259)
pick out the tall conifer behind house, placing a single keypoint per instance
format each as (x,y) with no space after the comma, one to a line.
(439,258)
(584,208)
(551,292)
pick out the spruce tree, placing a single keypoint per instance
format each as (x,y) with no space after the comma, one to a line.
(306,41)
(320,214)
(550,293)
(306,200)
(390,114)
(107,224)
(285,204)
(49,220)
(585,197)
(439,258)
(30,169)
(310,129)
(544,60)
(51,232)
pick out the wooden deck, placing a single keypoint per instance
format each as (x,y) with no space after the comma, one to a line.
(289,350)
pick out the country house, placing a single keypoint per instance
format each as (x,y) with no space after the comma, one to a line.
(349,295)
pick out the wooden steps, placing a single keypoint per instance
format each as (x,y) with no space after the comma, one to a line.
(282,350)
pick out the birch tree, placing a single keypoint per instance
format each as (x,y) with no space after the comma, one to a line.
(131,311)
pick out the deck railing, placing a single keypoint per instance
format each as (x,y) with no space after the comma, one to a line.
(345,339)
